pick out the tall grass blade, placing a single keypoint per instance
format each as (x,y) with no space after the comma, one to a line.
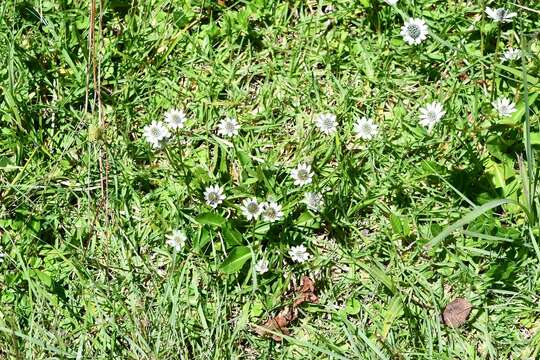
(479,211)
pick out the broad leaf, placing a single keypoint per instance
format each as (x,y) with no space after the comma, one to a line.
(231,235)
(210,219)
(236,259)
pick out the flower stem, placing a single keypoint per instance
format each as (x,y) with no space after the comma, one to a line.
(493,79)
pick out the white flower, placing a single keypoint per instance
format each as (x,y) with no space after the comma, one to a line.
(431,115)
(176,240)
(500,14)
(365,128)
(414,31)
(504,106)
(328,9)
(175,118)
(262,266)
(511,54)
(155,133)
(326,123)
(214,195)
(313,201)
(2,255)
(299,253)
(302,174)
(271,211)
(228,127)
(251,208)
(391,2)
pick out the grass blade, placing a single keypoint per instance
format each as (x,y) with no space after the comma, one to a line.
(479,211)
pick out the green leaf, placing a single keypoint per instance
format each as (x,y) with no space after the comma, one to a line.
(365,3)
(396,223)
(236,259)
(395,310)
(257,308)
(378,273)
(535,138)
(478,211)
(231,235)
(243,319)
(367,63)
(203,238)
(244,158)
(500,172)
(304,218)
(499,147)
(352,306)
(431,168)
(210,219)
(44,278)
(518,73)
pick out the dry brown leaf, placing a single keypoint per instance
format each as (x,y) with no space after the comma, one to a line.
(235,172)
(456,313)
(306,292)
(279,323)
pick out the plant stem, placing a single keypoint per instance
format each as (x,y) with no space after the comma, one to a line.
(493,82)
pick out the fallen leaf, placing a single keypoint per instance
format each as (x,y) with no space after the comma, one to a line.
(306,292)
(235,172)
(456,313)
(279,323)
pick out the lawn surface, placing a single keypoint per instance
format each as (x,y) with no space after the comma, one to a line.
(88,205)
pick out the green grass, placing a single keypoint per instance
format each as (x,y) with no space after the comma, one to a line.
(412,219)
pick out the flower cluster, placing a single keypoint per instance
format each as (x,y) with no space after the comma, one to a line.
(158,132)
(414,31)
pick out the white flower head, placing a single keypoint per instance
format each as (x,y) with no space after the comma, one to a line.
(326,123)
(500,14)
(431,114)
(391,2)
(2,255)
(511,54)
(251,209)
(414,31)
(313,201)
(299,253)
(271,211)
(155,133)
(504,106)
(228,127)
(175,118)
(302,175)
(261,266)
(214,195)
(329,9)
(366,129)
(176,240)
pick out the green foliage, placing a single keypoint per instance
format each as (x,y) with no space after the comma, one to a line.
(410,220)
(236,259)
